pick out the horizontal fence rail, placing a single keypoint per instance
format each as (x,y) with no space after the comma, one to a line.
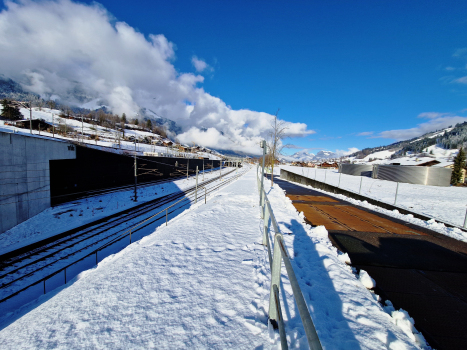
(276,257)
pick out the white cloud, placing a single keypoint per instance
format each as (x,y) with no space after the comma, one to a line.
(200,65)
(432,115)
(342,153)
(460,52)
(435,123)
(81,53)
(365,133)
(461,80)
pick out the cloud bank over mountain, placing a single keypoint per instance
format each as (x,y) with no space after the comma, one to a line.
(79,53)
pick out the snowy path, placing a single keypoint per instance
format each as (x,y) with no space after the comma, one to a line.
(190,284)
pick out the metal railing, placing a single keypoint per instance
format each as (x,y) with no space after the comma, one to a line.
(278,255)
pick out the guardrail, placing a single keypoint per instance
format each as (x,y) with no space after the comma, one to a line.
(126,234)
(278,255)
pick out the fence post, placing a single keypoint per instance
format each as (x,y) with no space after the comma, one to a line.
(280,321)
(266,235)
(275,279)
(44,286)
(397,190)
(361,180)
(203,170)
(65,274)
(130,236)
(265,226)
(96,258)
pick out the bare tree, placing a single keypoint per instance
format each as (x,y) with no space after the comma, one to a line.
(40,104)
(51,104)
(275,145)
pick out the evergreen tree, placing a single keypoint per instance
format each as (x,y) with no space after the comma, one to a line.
(149,124)
(10,111)
(124,118)
(459,164)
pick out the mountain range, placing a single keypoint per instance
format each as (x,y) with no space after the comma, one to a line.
(304,156)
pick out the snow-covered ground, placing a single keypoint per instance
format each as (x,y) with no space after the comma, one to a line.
(67,216)
(447,204)
(203,282)
(108,138)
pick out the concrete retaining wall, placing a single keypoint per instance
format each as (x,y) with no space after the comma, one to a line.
(24,175)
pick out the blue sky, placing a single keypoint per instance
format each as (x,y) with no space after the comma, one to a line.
(358,73)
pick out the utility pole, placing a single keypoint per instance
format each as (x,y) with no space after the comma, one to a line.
(136,174)
(263,146)
(30,117)
(196,188)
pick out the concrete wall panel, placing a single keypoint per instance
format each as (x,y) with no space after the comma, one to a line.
(25,175)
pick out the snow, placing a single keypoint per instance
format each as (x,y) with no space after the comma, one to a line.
(402,319)
(381,155)
(366,280)
(447,204)
(203,282)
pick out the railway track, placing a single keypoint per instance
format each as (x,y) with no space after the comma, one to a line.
(21,271)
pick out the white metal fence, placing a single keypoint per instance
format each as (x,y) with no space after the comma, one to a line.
(279,253)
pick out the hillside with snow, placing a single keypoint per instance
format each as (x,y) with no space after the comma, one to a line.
(443,144)
(130,139)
